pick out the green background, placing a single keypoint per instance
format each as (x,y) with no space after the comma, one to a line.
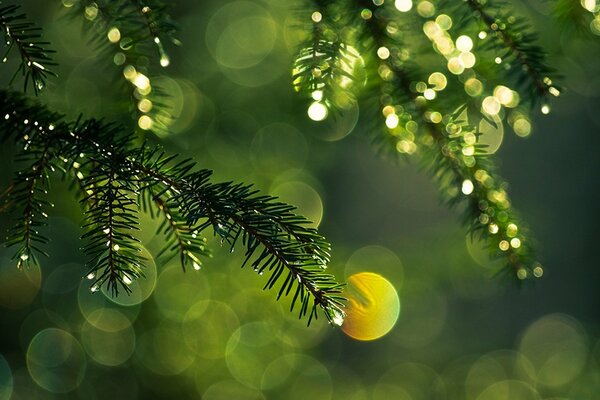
(214,333)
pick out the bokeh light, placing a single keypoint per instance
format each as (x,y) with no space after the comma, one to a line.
(56,361)
(557,348)
(373,306)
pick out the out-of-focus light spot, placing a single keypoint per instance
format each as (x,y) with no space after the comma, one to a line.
(317,95)
(482,35)
(426,9)
(141,81)
(421,87)
(504,245)
(317,111)
(119,58)
(467,187)
(464,43)
(554,91)
(515,243)
(383,53)
(164,61)
(129,72)
(512,230)
(538,271)
(429,94)
(589,5)
(468,150)
(498,60)
(556,346)
(145,122)
(493,228)
(316,17)
(444,21)
(373,306)
(110,340)
(504,95)
(545,109)
(145,105)
(392,121)
(435,117)
(522,127)
(444,44)
(522,273)
(56,361)
(467,59)
(438,80)
(91,12)
(473,87)
(387,110)
(303,196)
(403,5)
(366,14)
(114,35)
(455,66)
(490,105)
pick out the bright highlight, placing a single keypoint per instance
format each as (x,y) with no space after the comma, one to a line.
(373,306)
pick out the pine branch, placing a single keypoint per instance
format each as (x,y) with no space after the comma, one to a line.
(27,196)
(324,67)
(444,140)
(129,33)
(276,240)
(34,53)
(514,34)
(181,238)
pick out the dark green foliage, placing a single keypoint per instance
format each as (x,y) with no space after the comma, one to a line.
(448,145)
(112,172)
(24,37)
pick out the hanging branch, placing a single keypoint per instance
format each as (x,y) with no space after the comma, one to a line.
(442,137)
(35,57)
(129,33)
(26,197)
(276,240)
(513,33)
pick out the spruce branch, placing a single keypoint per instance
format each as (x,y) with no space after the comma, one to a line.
(129,33)
(275,239)
(513,33)
(447,144)
(19,33)
(27,197)
(325,66)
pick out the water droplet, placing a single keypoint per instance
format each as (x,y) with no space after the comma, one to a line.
(24,257)
(91,276)
(338,317)
(196,266)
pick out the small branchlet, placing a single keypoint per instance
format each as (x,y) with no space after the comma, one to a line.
(24,37)
(111,172)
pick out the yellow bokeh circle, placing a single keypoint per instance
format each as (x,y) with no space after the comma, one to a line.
(373,306)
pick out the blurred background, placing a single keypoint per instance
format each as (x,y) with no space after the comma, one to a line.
(214,334)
